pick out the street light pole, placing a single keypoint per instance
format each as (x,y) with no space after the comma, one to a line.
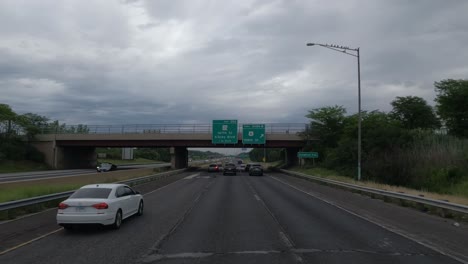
(345,50)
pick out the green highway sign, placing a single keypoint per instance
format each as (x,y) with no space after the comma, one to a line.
(224,132)
(253,134)
(307,155)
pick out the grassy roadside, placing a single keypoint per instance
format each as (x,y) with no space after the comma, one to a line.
(460,195)
(11,166)
(27,189)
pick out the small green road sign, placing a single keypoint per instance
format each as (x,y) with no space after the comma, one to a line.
(224,132)
(307,155)
(253,134)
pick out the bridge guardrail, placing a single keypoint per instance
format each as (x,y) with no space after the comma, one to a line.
(270,128)
(448,207)
(51,197)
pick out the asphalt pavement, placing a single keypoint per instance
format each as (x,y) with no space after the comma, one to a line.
(210,218)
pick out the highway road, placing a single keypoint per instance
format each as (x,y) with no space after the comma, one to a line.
(34,175)
(240,219)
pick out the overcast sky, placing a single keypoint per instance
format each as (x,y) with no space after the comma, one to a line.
(153,62)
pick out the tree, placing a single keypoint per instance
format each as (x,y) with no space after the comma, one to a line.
(7,117)
(327,123)
(452,105)
(32,123)
(413,112)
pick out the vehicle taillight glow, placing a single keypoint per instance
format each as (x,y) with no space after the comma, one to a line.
(62,206)
(101,206)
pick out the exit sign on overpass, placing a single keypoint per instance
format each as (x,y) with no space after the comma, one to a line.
(307,155)
(253,134)
(224,132)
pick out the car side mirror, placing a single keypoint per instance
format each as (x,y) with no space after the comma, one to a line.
(137,192)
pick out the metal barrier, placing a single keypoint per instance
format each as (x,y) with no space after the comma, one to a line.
(271,128)
(63,195)
(458,208)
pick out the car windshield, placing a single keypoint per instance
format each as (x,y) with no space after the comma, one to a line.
(93,193)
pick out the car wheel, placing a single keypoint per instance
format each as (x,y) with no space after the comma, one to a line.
(140,208)
(68,227)
(118,220)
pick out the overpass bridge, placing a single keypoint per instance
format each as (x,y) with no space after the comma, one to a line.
(74,147)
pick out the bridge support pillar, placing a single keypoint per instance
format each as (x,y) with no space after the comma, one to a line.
(179,157)
(75,158)
(67,157)
(291,156)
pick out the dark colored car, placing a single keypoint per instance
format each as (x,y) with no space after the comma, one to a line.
(256,170)
(247,167)
(230,168)
(105,166)
(213,168)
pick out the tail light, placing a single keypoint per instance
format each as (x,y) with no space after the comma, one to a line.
(101,206)
(62,206)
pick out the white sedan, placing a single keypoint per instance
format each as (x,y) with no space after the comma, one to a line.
(105,204)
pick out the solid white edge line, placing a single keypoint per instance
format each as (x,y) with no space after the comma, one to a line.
(30,241)
(55,231)
(395,231)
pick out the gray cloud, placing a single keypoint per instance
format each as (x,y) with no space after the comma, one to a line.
(146,62)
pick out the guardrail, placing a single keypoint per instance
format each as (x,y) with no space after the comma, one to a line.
(63,195)
(449,208)
(270,128)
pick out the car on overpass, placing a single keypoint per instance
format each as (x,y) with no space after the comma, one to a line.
(104,204)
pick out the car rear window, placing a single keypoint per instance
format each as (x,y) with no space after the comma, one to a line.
(97,193)
(213,165)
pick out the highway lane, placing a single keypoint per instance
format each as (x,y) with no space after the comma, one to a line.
(34,175)
(231,219)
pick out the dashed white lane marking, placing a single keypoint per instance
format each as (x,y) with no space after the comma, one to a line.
(256,197)
(192,176)
(388,228)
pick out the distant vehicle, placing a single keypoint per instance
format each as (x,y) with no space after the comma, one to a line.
(247,167)
(105,204)
(105,166)
(256,170)
(241,167)
(229,168)
(239,162)
(213,168)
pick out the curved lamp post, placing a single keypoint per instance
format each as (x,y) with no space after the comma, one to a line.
(354,53)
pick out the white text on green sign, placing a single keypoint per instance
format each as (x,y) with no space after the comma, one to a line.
(224,132)
(307,155)
(253,134)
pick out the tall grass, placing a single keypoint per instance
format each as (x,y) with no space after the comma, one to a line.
(432,162)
